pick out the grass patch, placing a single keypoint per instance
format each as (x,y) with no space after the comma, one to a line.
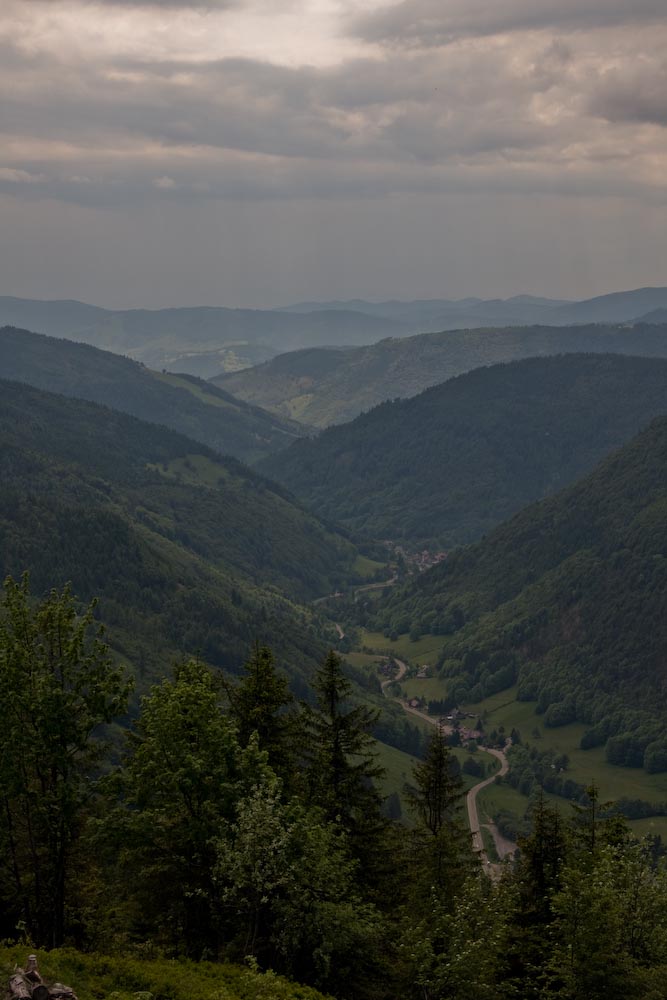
(585,766)
(210,398)
(424,651)
(96,977)
(422,687)
(370,660)
(366,568)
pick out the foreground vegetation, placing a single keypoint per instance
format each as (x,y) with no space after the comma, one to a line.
(232,825)
(104,977)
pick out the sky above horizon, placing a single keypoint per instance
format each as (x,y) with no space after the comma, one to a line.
(254,153)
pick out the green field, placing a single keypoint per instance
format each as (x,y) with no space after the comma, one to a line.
(586,766)
(370,660)
(210,398)
(366,568)
(424,651)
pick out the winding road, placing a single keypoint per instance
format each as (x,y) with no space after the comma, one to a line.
(503,846)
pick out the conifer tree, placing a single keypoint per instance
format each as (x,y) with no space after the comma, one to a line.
(260,704)
(58,685)
(341,765)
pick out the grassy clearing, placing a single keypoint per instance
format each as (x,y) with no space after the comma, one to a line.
(370,660)
(586,766)
(96,977)
(424,651)
(210,398)
(422,687)
(366,568)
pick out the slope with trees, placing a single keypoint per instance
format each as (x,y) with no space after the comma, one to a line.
(186,550)
(183,403)
(566,600)
(322,387)
(448,465)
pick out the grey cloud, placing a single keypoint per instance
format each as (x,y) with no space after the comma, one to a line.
(131,130)
(638,95)
(438,22)
(203,5)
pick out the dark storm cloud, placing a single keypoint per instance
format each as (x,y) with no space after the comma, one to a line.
(437,22)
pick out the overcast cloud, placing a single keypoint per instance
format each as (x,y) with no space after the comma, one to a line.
(441,131)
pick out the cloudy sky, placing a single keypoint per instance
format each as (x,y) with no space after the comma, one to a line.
(257,152)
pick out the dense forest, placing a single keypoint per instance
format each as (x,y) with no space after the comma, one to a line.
(443,468)
(566,599)
(323,387)
(231,823)
(186,550)
(183,403)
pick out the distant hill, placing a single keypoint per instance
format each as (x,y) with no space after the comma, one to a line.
(189,552)
(183,403)
(327,387)
(618,307)
(207,340)
(200,341)
(657,316)
(445,467)
(424,315)
(567,599)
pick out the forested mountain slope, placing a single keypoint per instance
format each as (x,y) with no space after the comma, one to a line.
(568,598)
(446,466)
(184,403)
(187,551)
(327,387)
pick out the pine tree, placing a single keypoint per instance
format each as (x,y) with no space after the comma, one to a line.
(341,760)
(436,802)
(260,704)
(58,685)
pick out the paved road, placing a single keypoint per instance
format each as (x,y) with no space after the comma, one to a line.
(400,674)
(471,798)
(471,806)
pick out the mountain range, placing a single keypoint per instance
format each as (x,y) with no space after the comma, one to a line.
(207,340)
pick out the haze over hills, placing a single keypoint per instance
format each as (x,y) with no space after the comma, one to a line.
(566,599)
(188,552)
(323,387)
(183,403)
(205,340)
(199,341)
(442,314)
(446,466)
